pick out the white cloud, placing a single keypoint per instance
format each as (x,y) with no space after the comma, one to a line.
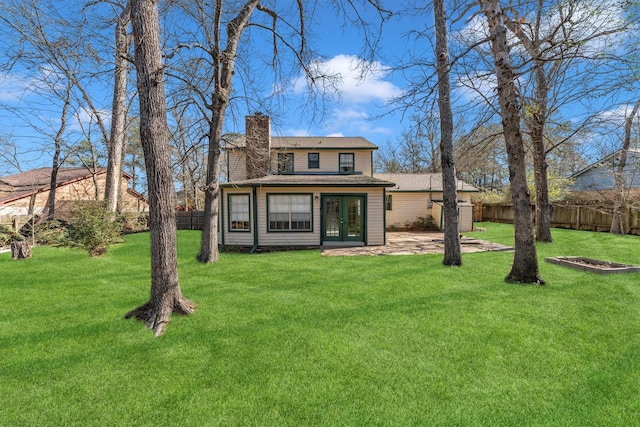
(354,121)
(14,87)
(616,116)
(355,81)
(296,132)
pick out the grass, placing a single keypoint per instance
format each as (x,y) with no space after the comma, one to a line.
(293,338)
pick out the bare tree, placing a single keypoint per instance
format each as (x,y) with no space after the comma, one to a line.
(117,137)
(166,296)
(619,223)
(481,159)
(57,58)
(556,39)
(50,210)
(224,61)
(9,157)
(189,153)
(417,149)
(525,263)
(452,253)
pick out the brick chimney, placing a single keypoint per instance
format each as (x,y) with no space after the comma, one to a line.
(258,145)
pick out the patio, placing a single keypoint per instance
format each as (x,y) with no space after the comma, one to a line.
(413,243)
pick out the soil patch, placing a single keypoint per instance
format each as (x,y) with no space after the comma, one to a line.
(593,265)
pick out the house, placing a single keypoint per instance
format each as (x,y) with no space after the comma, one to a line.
(26,193)
(597,181)
(300,191)
(419,195)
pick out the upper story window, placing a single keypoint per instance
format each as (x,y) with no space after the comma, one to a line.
(347,163)
(314,160)
(285,163)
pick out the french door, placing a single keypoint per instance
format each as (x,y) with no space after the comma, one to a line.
(343,218)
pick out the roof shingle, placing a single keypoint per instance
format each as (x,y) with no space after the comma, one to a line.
(318,180)
(420,182)
(24,184)
(310,143)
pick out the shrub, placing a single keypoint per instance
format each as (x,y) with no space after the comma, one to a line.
(134,222)
(423,223)
(93,228)
(7,235)
(47,232)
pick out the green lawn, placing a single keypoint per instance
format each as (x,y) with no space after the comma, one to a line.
(296,339)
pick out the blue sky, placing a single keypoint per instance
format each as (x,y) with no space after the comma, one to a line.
(350,114)
(359,110)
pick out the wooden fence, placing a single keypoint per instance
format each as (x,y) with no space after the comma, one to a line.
(189,220)
(576,217)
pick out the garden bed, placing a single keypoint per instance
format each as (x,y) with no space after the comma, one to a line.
(593,265)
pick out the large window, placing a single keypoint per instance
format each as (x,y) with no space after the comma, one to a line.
(285,163)
(289,212)
(346,163)
(239,218)
(314,160)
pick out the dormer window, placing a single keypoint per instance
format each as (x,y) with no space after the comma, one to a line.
(347,164)
(285,163)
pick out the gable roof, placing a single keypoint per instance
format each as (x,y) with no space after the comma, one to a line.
(25,184)
(601,174)
(420,182)
(310,143)
(631,154)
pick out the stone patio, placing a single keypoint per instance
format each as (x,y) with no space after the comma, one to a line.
(413,243)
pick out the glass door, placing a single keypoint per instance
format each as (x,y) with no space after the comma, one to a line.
(343,218)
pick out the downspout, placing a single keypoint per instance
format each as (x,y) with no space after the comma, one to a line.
(221,215)
(255,221)
(384,214)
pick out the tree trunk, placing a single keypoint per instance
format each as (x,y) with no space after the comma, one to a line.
(536,118)
(537,125)
(166,296)
(209,239)
(452,253)
(225,65)
(50,209)
(525,262)
(20,250)
(619,223)
(117,138)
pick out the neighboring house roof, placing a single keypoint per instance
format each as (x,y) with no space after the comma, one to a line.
(310,143)
(25,184)
(316,180)
(600,175)
(137,195)
(420,182)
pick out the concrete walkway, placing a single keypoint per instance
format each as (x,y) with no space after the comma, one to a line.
(412,243)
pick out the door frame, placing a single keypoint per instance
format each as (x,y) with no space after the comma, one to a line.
(363,218)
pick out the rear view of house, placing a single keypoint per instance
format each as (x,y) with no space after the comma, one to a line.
(300,191)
